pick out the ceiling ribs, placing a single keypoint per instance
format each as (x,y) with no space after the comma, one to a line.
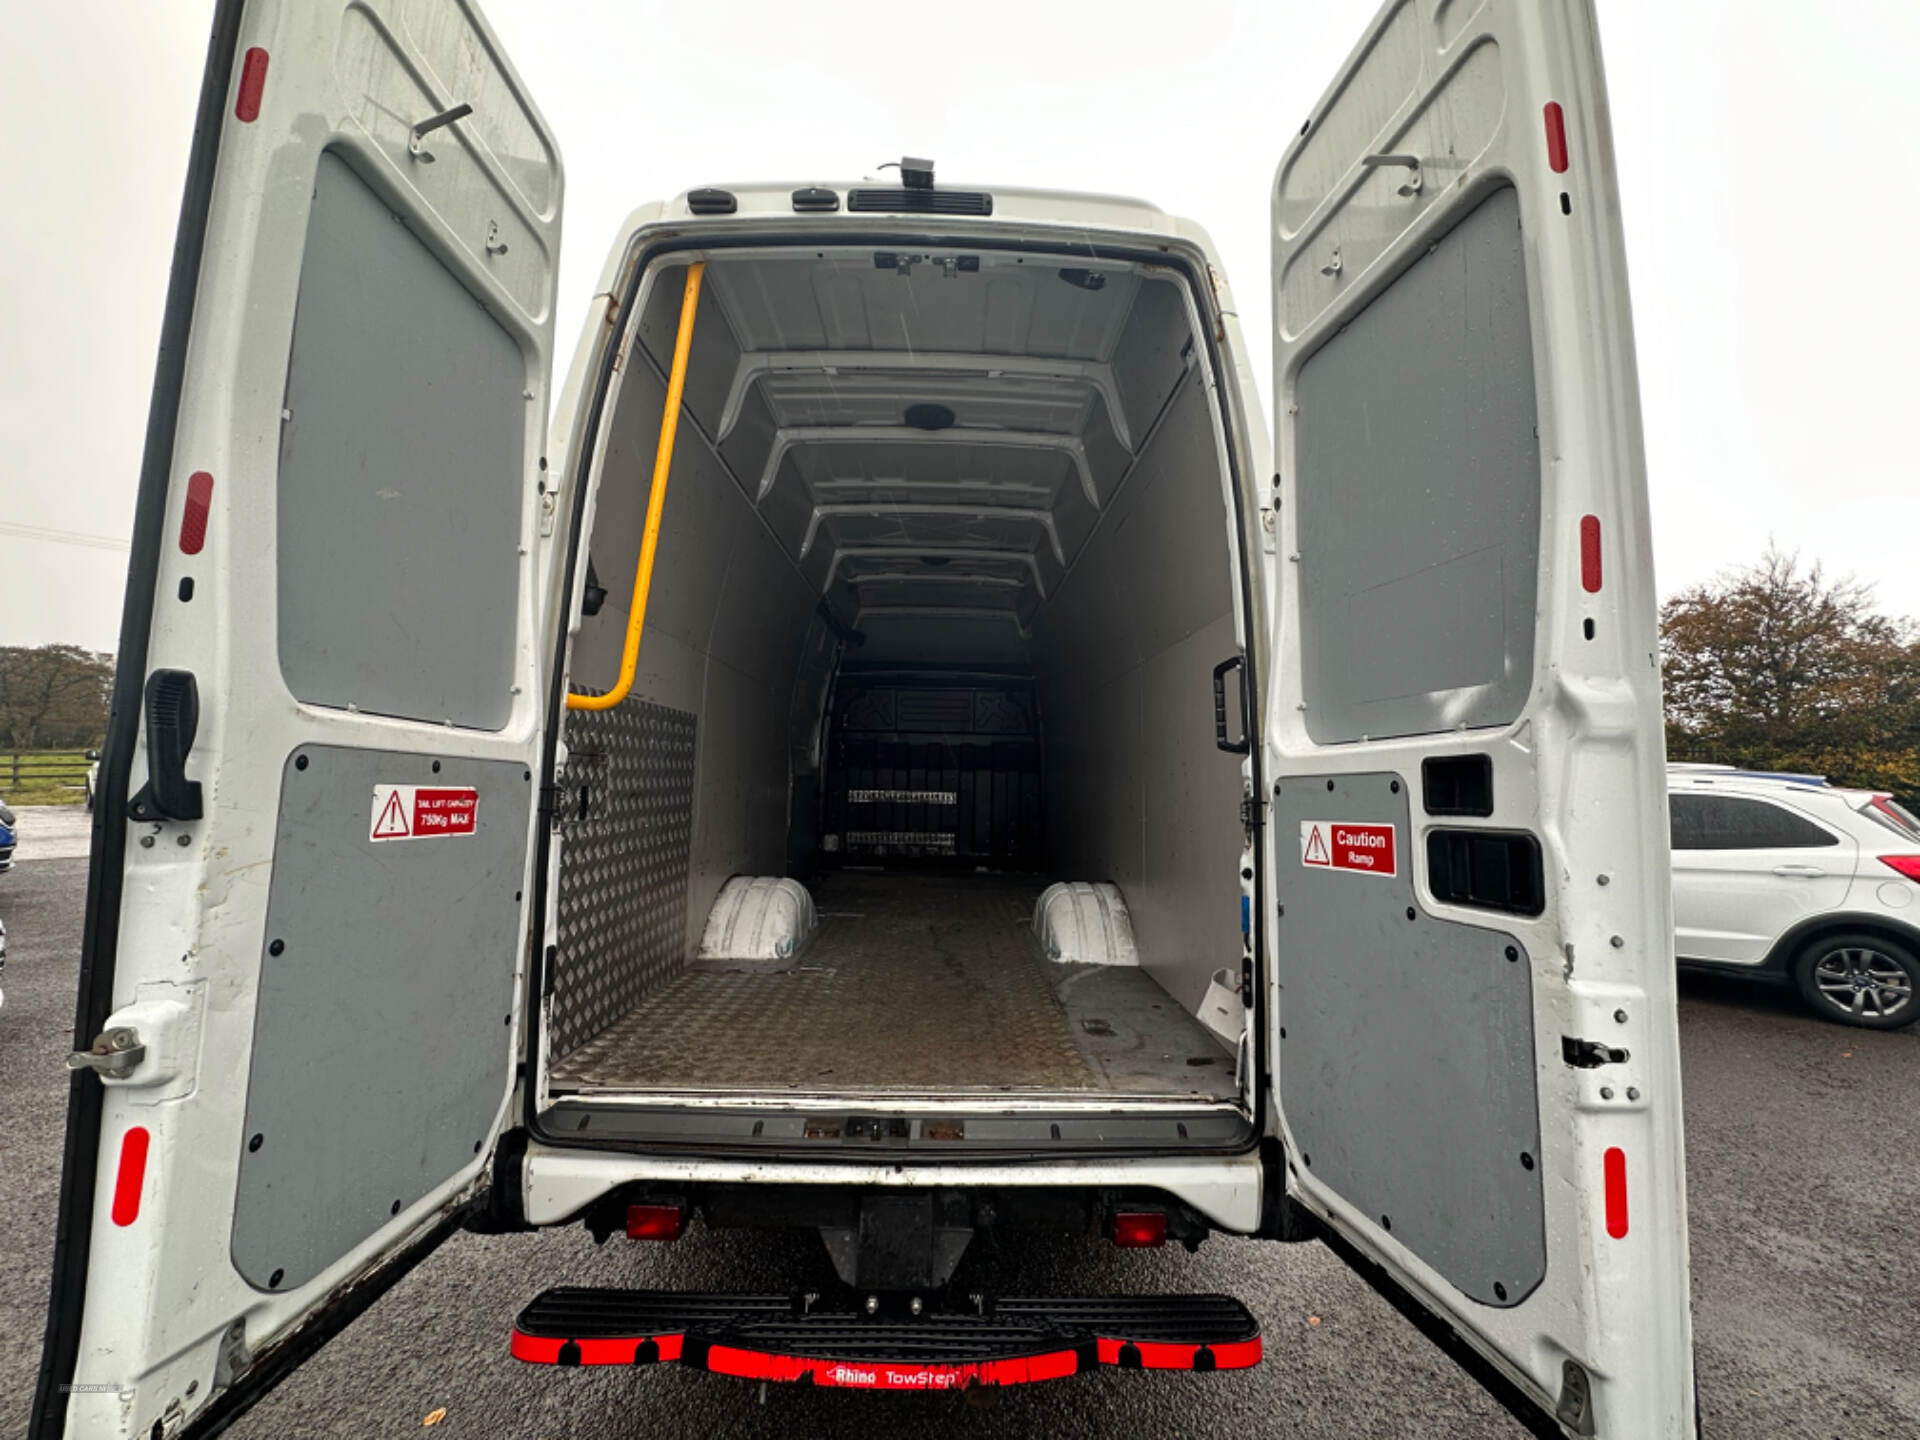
(882,509)
(945,552)
(790,438)
(756,363)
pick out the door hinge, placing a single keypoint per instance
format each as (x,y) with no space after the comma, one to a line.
(1249,812)
(569,800)
(233,1359)
(1246,981)
(1575,1410)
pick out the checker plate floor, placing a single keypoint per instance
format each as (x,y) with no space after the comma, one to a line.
(916,982)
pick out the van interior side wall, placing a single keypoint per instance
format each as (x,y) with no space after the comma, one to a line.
(728,616)
(740,654)
(1137,792)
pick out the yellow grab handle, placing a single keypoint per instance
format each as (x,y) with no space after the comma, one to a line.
(656,502)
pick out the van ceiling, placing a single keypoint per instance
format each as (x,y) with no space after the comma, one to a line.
(928,435)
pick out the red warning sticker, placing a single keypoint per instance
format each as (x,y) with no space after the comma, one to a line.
(423,812)
(1339,845)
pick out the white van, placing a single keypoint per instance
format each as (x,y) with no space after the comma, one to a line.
(655,820)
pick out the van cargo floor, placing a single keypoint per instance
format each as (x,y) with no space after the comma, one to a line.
(914,982)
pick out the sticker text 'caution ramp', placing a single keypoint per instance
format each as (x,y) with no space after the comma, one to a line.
(1341,845)
(423,812)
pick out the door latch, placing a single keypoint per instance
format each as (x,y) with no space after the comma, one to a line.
(115,1053)
(1589,1054)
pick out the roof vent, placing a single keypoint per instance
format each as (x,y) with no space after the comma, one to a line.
(929,416)
(815,200)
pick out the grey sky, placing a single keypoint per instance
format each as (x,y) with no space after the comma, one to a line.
(1771,408)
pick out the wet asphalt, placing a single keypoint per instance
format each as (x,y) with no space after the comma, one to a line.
(1804,1187)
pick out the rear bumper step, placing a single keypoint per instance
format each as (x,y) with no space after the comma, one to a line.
(1012,1341)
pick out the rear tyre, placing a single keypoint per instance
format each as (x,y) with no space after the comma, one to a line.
(1860,979)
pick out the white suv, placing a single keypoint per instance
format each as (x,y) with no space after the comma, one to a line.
(1788,878)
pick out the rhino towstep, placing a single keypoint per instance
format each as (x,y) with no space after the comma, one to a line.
(1008,1341)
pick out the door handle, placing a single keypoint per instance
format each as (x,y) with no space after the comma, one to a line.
(1799,872)
(1244,743)
(173,717)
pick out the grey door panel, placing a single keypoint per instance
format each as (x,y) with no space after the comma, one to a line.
(1419,485)
(1407,1050)
(400,485)
(380,1039)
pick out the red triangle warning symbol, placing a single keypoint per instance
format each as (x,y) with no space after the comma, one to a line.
(1316,852)
(392,823)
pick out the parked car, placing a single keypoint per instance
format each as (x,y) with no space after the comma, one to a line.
(9,836)
(93,776)
(1792,880)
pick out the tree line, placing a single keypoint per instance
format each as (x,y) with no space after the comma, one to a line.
(53,697)
(1780,666)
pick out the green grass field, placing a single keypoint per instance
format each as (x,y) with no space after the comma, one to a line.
(47,777)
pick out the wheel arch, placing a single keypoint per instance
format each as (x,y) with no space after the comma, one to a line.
(1788,948)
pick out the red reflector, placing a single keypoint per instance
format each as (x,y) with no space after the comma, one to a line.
(655,1222)
(253,79)
(193,515)
(1907,865)
(1590,554)
(132,1175)
(1614,1167)
(1138,1229)
(1556,137)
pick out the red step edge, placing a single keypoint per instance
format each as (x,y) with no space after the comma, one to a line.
(880,1374)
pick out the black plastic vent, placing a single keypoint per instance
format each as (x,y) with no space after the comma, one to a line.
(816,200)
(920,202)
(928,415)
(1487,869)
(1457,785)
(712,202)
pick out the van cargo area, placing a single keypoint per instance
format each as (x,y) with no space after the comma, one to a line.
(945,567)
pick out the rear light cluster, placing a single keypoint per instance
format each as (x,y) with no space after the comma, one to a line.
(1907,865)
(655,1222)
(1139,1229)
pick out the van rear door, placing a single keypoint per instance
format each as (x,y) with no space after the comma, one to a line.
(1474,1043)
(298,1011)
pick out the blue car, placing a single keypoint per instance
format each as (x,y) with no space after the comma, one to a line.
(9,833)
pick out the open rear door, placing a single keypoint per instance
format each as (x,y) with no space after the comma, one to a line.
(299,1001)
(1475,1043)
